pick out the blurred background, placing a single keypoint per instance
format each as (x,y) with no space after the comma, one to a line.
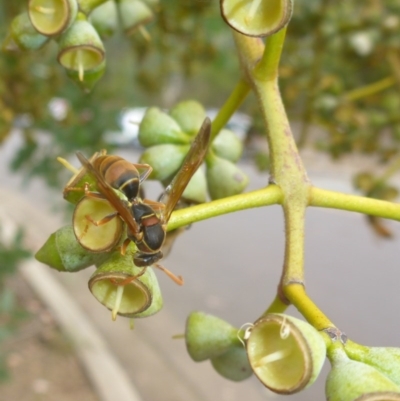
(340,81)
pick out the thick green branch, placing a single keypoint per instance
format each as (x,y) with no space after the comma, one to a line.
(263,197)
(336,200)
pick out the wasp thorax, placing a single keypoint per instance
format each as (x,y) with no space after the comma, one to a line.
(208,336)
(256,17)
(351,380)
(51,17)
(125,289)
(285,353)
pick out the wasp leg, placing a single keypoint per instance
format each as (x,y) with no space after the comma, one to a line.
(177,279)
(147,169)
(128,279)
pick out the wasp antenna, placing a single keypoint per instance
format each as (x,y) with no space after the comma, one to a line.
(177,279)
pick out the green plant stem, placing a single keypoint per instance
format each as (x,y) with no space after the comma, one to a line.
(369,90)
(336,200)
(263,197)
(233,102)
(277,306)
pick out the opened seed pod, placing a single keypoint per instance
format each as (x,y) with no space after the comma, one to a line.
(89,79)
(285,353)
(80,48)
(224,178)
(189,114)
(233,364)
(350,380)
(384,359)
(133,14)
(97,226)
(256,17)
(51,17)
(159,128)
(63,252)
(165,160)
(125,289)
(208,336)
(25,35)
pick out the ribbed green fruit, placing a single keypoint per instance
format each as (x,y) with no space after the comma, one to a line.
(228,146)
(208,336)
(133,14)
(189,114)
(105,19)
(233,364)
(62,252)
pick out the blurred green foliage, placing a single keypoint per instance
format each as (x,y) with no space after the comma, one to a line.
(340,72)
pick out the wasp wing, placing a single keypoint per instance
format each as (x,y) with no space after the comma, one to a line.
(105,189)
(192,162)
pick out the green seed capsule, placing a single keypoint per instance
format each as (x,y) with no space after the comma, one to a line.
(348,379)
(105,19)
(80,48)
(384,359)
(134,13)
(256,17)
(285,353)
(89,79)
(189,114)
(159,128)
(233,364)
(224,178)
(196,190)
(63,253)
(208,336)
(228,146)
(51,17)
(25,35)
(89,6)
(125,289)
(165,160)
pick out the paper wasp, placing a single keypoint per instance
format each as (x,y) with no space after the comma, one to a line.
(146,220)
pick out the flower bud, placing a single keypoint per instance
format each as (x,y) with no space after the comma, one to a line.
(133,14)
(233,364)
(97,226)
(350,380)
(285,353)
(25,36)
(125,289)
(105,19)
(165,160)
(228,146)
(208,336)
(80,48)
(256,17)
(63,253)
(364,181)
(196,190)
(384,359)
(190,115)
(224,178)
(159,128)
(89,79)
(52,18)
